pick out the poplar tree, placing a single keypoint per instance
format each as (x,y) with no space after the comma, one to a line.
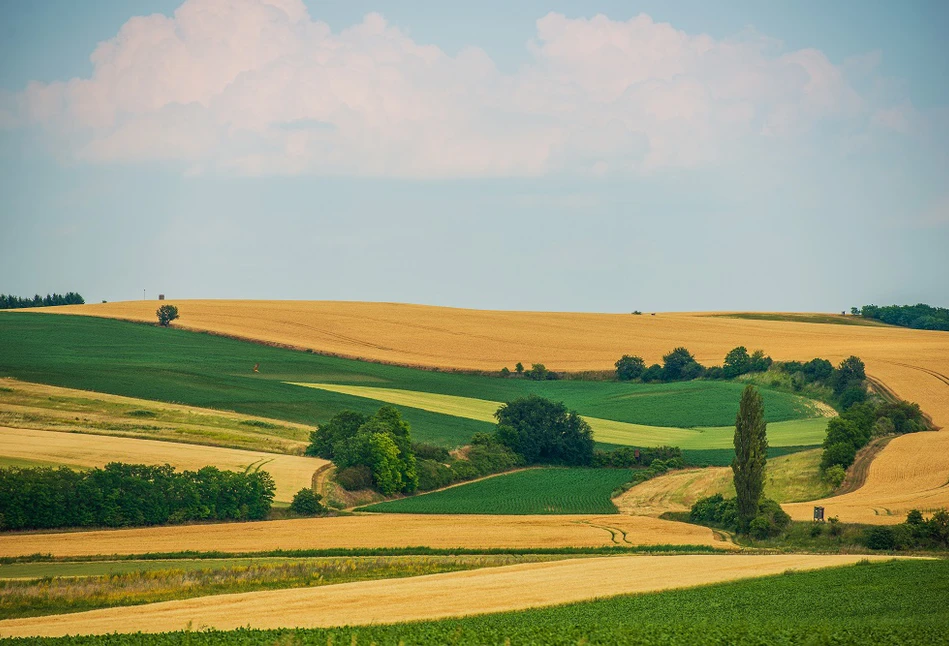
(751,448)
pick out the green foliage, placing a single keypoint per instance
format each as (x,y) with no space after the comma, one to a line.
(751,454)
(354,478)
(306,502)
(917,532)
(680,365)
(835,475)
(630,367)
(128,495)
(542,431)
(736,362)
(533,491)
(341,427)
(767,520)
(629,457)
(166,314)
(10,302)
(896,602)
(382,443)
(919,316)
(539,372)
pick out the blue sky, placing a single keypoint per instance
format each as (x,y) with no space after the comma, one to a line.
(657,156)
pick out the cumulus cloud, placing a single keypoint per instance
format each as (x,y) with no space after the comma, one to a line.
(261,87)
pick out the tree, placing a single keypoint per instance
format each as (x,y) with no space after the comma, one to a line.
(341,427)
(751,449)
(306,502)
(166,314)
(382,443)
(629,367)
(737,362)
(519,368)
(850,373)
(540,430)
(679,365)
(538,372)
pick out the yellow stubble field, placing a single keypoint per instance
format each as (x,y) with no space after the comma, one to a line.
(911,471)
(370,531)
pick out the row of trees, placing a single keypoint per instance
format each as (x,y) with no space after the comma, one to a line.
(917,532)
(919,316)
(680,365)
(858,425)
(537,372)
(10,302)
(127,495)
(847,382)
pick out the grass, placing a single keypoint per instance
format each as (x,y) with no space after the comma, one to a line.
(533,491)
(807,432)
(55,588)
(198,369)
(899,602)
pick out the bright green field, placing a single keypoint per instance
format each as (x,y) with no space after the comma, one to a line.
(199,369)
(899,603)
(534,491)
(800,432)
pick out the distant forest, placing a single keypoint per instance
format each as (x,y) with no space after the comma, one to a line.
(919,317)
(10,302)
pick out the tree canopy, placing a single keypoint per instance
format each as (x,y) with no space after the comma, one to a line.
(751,451)
(542,431)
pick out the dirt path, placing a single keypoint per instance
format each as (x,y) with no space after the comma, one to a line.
(368,531)
(426,597)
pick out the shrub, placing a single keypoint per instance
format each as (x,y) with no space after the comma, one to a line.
(355,478)
(835,475)
(629,367)
(306,502)
(166,314)
(880,538)
(430,452)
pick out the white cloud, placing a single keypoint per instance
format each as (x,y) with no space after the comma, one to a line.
(260,87)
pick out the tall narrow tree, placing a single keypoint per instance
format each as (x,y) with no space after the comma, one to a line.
(751,449)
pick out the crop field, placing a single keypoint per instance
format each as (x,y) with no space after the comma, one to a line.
(533,491)
(798,432)
(497,589)
(51,408)
(35,589)
(370,531)
(787,478)
(914,364)
(290,472)
(213,372)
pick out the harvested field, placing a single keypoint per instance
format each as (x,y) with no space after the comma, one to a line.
(427,597)
(369,531)
(290,472)
(909,472)
(798,432)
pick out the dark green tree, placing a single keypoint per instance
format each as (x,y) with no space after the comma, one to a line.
(680,365)
(166,314)
(341,427)
(629,367)
(306,502)
(542,431)
(751,449)
(737,362)
(519,368)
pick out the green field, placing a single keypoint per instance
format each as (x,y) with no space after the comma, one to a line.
(204,370)
(808,431)
(901,603)
(533,491)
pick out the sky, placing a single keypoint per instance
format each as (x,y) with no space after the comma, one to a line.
(560,156)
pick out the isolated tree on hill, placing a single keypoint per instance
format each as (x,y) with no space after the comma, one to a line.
(166,314)
(629,368)
(751,452)
(737,362)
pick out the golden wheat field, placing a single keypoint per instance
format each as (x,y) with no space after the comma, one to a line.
(910,472)
(369,531)
(434,596)
(290,472)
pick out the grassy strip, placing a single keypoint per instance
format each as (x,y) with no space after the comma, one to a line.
(832,319)
(203,370)
(55,594)
(882,603)
(376,551)
(534,491)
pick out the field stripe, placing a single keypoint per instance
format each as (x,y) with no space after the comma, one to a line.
(367,531)
(290,472)
(435,596)
(803,432)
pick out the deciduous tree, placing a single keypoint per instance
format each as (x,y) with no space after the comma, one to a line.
(751,449)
